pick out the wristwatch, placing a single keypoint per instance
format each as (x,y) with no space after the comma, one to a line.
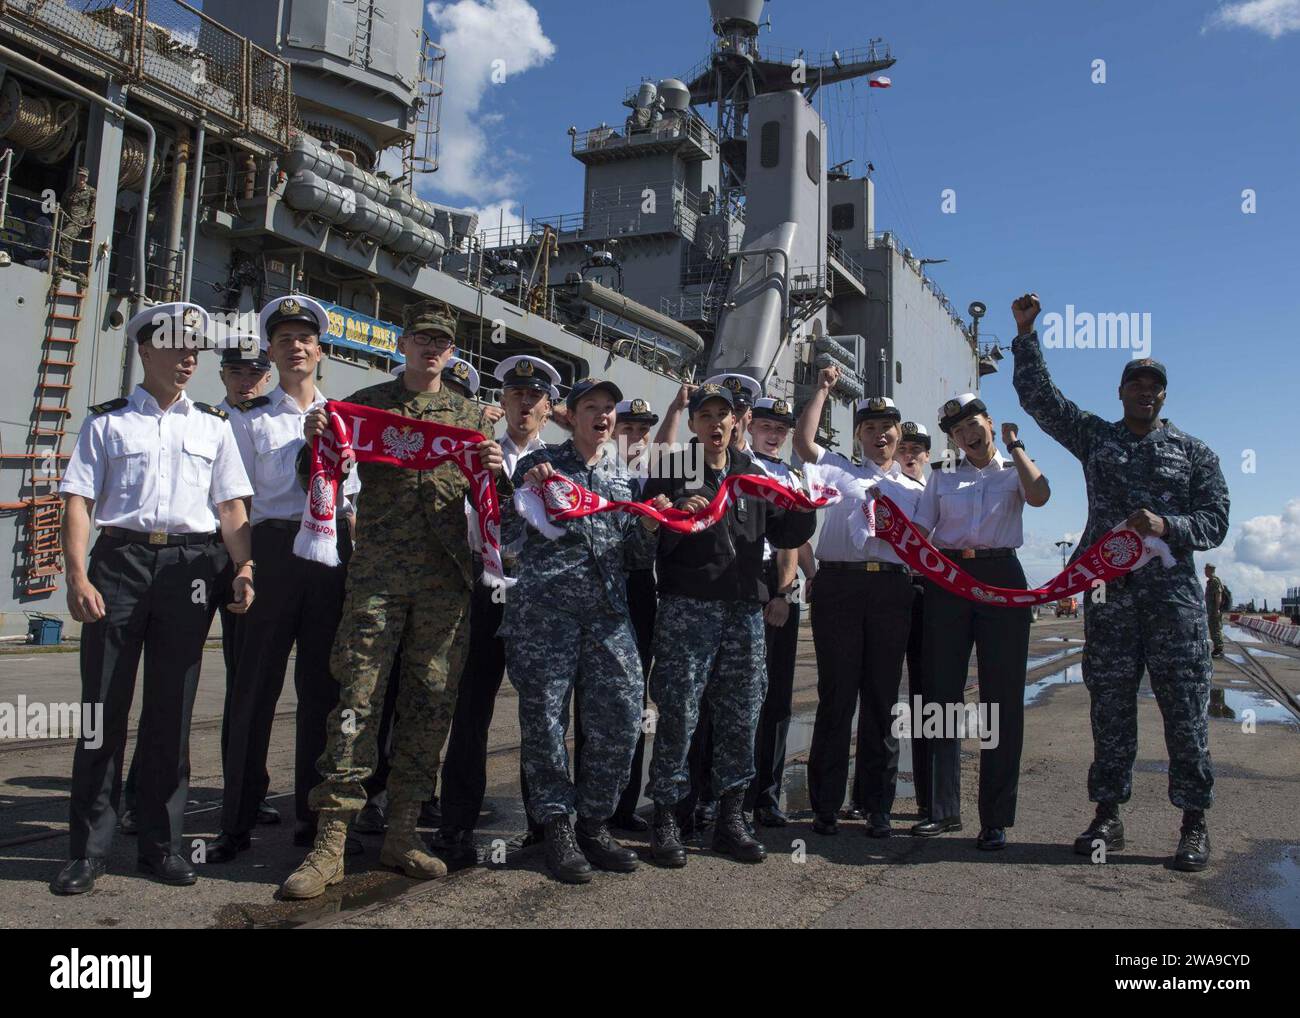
(252,566)
(1017,444)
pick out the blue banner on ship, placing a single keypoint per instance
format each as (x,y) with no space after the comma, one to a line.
(361,332)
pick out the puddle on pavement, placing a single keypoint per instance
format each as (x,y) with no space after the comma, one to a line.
(1037,661)
(1231,705)
(1283,900)
(1069,676)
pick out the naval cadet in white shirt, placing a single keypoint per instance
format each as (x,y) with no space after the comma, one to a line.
(973,516)
(528,391)
(861,613)
(158,473)
(771,421)
(302,600)
(245,370)
(914,456)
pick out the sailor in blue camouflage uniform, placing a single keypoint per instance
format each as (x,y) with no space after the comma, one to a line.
(567,632)
(1163,482)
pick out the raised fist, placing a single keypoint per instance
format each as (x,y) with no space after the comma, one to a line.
(827,377)
(1025,309)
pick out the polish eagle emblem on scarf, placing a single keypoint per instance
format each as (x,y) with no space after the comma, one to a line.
(322,497)
(402,443)
(561,494)
(1121,549)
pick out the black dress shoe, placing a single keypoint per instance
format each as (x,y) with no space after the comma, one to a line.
(771,816)
(1193,852)
(666,846)
(430,814)
(852,813)
(931,828)
(78,876)
(991,839)
(266,814)
(456,846)
(169,869)
(878,825)
(825,823)
(633,822)
(226,846)
(1106,827)
(126,823)
(371,819)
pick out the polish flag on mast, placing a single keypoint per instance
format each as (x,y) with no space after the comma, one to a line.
(881,82)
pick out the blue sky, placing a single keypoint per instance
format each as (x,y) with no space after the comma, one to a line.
(1117,197)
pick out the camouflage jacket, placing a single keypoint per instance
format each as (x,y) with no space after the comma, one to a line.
(401,508)
(586,569)
(1166,471)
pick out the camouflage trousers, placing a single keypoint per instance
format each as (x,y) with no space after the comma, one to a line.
(714,650)
(416,600)
(551,655)
(1126,634)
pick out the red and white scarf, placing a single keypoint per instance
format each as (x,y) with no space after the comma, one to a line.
(1120,550)
(369,435)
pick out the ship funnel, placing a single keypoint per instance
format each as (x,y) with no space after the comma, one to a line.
(732,15)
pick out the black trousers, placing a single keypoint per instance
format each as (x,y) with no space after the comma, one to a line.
(860,623)
(915,690)
(774,718)
(298,603)
(230,623)
(152,608)
(643,606)
(464,772)
(1000,637)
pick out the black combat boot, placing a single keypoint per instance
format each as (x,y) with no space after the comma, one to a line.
(1106,827)
(730,835)
(666,846)
(563,858)
(600,848)
(1193,852)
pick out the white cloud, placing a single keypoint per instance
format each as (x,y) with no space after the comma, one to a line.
(1263,560)
(1273,18)
(500,222)
(473,163)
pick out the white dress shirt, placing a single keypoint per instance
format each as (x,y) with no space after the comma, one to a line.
(155,470)
(269,438)
(836,543)
(778,470)
(970,507)
(511,454)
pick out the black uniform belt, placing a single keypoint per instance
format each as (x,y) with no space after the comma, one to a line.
(978,552)
(864,567)
(158,538)
(293,525)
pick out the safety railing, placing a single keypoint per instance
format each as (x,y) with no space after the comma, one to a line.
(38,233)
(175,47)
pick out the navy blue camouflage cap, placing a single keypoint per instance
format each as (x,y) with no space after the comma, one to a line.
(1144,365)
(585,385)
(708,391)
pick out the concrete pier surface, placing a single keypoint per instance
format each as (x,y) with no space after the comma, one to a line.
(846,880)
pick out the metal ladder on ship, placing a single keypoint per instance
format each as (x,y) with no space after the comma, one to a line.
(45,456)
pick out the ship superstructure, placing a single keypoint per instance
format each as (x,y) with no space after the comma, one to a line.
(236,153)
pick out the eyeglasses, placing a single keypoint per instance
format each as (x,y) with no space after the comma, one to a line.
(438,340)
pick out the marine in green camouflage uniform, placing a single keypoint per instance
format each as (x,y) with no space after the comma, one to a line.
(1214,610)
(409,584)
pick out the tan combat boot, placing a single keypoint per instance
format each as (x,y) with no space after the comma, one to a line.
(323,866)
(404,849)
